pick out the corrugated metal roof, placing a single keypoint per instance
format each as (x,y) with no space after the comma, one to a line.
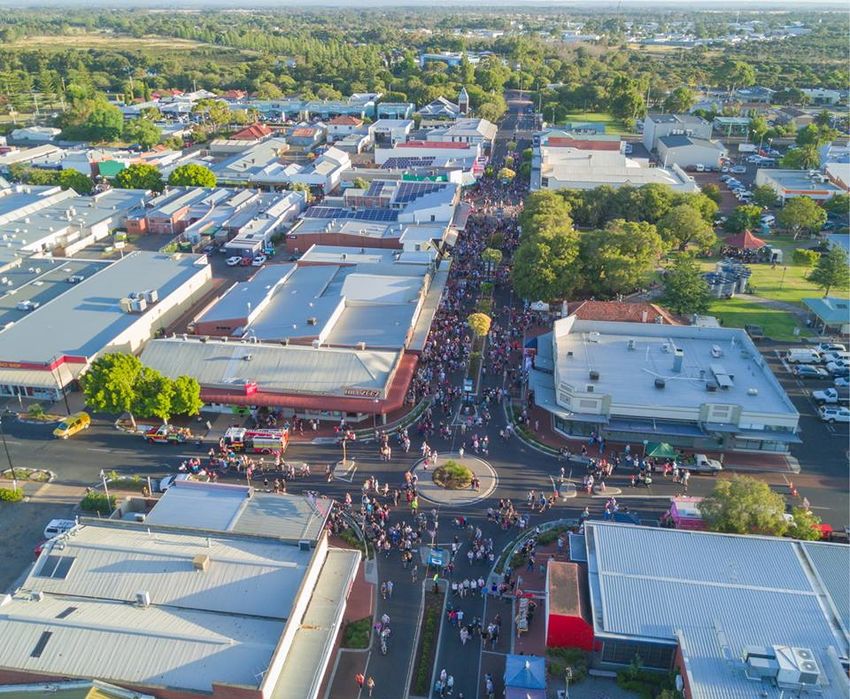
(716,594)
(832,566)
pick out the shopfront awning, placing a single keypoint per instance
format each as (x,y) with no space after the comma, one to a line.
(49,380)
(655,428)
(769,436)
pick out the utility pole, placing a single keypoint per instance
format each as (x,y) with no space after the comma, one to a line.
(8,455)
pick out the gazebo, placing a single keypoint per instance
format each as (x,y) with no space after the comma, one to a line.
(745,241)
(525,677)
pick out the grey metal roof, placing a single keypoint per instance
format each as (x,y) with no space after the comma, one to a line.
(221,624)
(832,566)
(275,368)
(676,140)
(715,594)
(378,325)
(240,509)
(307,658)
(87,317)
(245,298)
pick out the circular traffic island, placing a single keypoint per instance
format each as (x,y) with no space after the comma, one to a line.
(452,475)
(456,481)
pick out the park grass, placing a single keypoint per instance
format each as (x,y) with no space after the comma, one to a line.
(110,41)
(740,311)
(612,126)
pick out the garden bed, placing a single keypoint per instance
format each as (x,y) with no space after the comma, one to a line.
(357,633)
(37,475)
(452,476)
(426,652)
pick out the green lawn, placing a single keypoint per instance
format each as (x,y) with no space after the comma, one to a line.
(612,125)
(784,282)
(740,311)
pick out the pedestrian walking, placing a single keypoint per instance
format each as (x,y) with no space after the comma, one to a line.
(370,685)
(360,679)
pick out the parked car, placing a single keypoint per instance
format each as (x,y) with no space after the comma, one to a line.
(832,396)
(739,170)
(234,261)
(72,424)
(841,382)
(209,249)
(832,415)
(768,219)
(168,481)
(840,372)
(28,305)
(830,347)
(803,356)
(55,527)
(838,367)
(805,371)
(835,356)
(259,261)
(75,279)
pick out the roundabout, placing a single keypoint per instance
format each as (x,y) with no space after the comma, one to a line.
(451,483)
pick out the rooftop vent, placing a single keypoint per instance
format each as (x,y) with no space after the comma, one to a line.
(201,562)
(143,598)
(248,357)
(311,320)
(589,388)
(660,383)
(594,375)
(631,344)
(361,345)
(711,387)
(752,391)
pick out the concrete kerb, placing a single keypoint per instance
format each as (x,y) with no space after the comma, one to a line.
(428,490)
(537,446)
(366,434)
(439,633)
(412,663)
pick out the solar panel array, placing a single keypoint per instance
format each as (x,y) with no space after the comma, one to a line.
(328,212)
(408,191)
(410,162)
(375,188)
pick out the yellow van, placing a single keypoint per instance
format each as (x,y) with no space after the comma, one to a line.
(72,424)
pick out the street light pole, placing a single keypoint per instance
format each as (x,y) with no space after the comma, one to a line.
(8,456)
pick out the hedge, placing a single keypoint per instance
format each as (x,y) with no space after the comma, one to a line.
(11,494)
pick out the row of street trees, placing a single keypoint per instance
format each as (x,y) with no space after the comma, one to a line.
(119,383)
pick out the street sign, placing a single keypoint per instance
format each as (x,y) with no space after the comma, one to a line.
(438,557)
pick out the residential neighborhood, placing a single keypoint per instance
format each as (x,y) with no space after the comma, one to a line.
(466,351)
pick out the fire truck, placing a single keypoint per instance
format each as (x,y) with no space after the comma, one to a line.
(256,441)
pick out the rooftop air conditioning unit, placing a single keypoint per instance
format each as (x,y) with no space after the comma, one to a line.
(311,320)
(660,383)
(589,388)
(361,345)
(711,387)
(248,357)
(138,305)
(594,375)
(143,598)
(201,562)
(631,344)
(752,391)
(151,295)
(304,546)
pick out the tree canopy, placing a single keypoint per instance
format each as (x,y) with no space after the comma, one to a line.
(140,176)
(480,323)
(831,270)
(801,215)
(143,132)
(683,225)
(685,290)
(744,505)
(192,175)
(617,259)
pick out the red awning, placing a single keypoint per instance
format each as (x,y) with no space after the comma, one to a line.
(745,241)
(346,404)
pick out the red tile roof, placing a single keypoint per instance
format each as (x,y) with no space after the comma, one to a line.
(582,144)
(252,133)
(235,94)
(621,311)
(745,241)
(345,120)
(304,132)
(435,144)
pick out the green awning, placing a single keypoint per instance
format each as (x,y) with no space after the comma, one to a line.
(109,168)
(661,450)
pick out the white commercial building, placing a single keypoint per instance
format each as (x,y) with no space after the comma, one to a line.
(694,387)
(688,151)
(223,591)
(113,309)
(389,132)
(444,150)
(477,131)
(798,183)
(656,126)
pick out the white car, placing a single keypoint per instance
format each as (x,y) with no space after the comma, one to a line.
(768,219)
(168,481)
(830,347)
(837,366)
(832,415)
(739,170)
(234,261)
(841,382)
(259,261)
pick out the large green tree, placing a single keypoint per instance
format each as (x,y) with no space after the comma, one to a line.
(143,132)
(831,271)
(744,505)
(764,196)
(801,215)
(154,394)
(803,158)
(685,290)
(680,100)
(109,386)
(744,218)
(683,225)
(617,260)
(192,175)
(187,396)
(545,265)
(140,176)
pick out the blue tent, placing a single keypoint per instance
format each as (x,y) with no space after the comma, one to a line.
(525,671)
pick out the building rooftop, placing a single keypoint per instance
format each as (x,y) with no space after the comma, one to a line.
(88,316)
(273,368)
(240,509)
(221,624)
(681,141)
(718,594)
(799,181)
(629,375)
(830,309)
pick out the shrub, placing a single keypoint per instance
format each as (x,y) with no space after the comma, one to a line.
(562,658)
(452,475)
(427,648)
(646,683)
(36,410)
(356,633)
(11,494)
(487,288)
(98,503)
(802,256)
